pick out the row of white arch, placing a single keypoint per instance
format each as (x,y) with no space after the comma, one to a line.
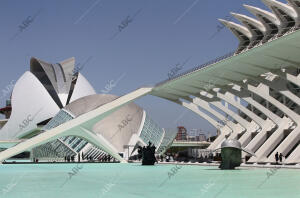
(273,127)
(267,25)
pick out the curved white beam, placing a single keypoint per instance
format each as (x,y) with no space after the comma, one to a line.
(205,105)
(195,109)
(265,125)
(257,29)
(77,127)
(260,143)
(256,124)
(285,13)
(225,130)
(229,97)
(245,94)
(275,138)
(241,32)
(284,7)
(246,20)
(268,19)
(296,6)
(259,13)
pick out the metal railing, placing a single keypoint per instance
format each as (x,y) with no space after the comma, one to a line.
(202,141)
(230,54)
(218,59)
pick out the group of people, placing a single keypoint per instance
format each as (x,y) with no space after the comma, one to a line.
(168,157)
(69,158)
(278,157)
(105,158)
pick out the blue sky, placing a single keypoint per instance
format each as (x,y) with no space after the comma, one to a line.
(163,33)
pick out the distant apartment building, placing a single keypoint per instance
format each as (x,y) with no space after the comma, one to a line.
(181,134)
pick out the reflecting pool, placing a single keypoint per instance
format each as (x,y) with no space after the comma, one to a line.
(97,180)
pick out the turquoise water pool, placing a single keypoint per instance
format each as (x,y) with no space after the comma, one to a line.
(134,181)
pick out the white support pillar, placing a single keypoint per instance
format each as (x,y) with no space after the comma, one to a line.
(225,130)
(253,126)
(263,91)
(235,128)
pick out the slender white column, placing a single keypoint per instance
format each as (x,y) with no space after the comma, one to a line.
(229,98)
(225,130)
(236,128)
(263,91)
(205,105)
(269,124)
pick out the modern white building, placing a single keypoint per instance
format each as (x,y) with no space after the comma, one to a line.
(51,94)
(262,73)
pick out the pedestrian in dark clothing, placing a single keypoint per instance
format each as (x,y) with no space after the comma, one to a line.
(276,157)
(280,157)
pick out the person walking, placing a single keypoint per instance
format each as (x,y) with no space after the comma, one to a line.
(276,157)
(280,157)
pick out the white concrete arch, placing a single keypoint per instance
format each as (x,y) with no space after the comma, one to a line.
(278,135)
(246,95)
(229,98)
(235,128)
(257,29)
(175,95)
(241,32)
(265,125)
(279,86)
(244,123)
(260,138)
(285,13)
(225,130)
(196,110)
(268,19)
(257,123)
(260,144)
(205,105)
(296,6)
(238,128)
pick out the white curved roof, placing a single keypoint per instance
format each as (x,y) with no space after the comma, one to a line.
(31,104)
(257,11)
(236,27)
(82,88)
(282,6)
(243,18)
(68,69)
(295,4)
(241,32)
(38,96)
(284,18)
(60,76)
(118,127)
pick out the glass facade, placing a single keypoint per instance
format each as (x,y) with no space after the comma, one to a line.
(72,145)
(169,136)
(64,146)
(151,132)
(57,120)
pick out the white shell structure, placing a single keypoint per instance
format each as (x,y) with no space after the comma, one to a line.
(268,25)
(241,32)
(40,93)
